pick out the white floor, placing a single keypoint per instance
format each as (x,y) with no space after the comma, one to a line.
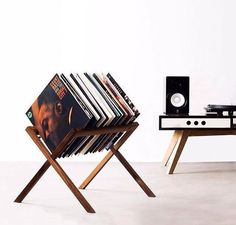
(197,194)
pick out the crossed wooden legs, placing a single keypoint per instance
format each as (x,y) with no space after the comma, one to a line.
(51,161)
(125,163)
(120,157)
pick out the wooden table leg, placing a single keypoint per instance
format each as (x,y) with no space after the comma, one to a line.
(183,138)
(174,140)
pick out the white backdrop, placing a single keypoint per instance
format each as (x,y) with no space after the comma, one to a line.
(139,42)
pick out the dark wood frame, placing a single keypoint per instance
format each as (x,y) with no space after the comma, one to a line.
(179,140)
(51,161)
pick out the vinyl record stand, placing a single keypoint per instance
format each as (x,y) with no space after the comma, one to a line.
(51,160)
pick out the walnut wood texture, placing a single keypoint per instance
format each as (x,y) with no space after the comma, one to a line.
(114,151)
(60,172)
(108,156)
(45,166)
(105,130)
(132,172)
(51,160)
(211,132)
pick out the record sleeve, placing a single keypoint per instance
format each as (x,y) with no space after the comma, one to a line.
(55,112)
(113,108)
(122,114)
(134,113)
(88,108)
(101,103)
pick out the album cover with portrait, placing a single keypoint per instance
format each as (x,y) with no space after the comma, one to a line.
(56,111)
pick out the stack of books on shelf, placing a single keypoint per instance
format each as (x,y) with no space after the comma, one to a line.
(81,101)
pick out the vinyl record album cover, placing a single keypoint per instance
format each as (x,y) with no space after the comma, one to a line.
(55,112)
(81,101)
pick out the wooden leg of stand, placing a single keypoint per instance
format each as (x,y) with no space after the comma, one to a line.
(70,184)
(32,183)
(171,147)
(62,174)
(106,159)
(132,172)
(33,133)
(98,168)
(183,138)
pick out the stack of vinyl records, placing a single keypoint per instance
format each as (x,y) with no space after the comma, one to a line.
(81,101)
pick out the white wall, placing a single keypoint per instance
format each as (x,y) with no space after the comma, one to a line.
(139,42)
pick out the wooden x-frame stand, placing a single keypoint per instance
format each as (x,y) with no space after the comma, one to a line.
(179,140)
(51,161)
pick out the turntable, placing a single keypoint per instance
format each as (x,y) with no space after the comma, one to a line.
(219,110)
